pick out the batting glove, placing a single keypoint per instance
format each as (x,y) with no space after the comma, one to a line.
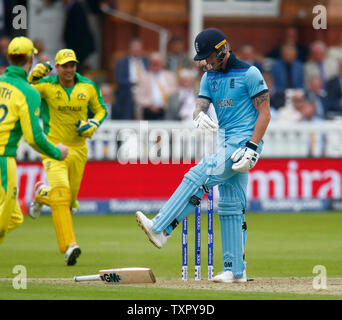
(39,71)
(245,158)
(204,122)
(86,129)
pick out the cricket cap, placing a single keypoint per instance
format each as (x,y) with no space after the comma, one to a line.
(65,55)
(21,46)
(208,41)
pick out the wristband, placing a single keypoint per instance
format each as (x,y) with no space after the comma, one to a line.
(251,145)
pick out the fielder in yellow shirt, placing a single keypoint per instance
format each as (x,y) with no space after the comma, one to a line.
(19,115)
(66,98)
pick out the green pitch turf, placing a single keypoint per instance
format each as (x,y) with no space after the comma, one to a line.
(278,245)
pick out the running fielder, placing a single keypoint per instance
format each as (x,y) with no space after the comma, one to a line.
(19,115)
(241,100)
(66,98)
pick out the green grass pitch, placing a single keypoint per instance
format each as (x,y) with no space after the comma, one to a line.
(278,245)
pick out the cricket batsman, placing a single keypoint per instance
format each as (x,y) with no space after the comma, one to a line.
(19,115)
(241,100)
(66,98)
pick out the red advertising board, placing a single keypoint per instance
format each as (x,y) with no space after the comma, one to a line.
(270,179)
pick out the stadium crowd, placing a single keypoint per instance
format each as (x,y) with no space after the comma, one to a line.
(305,83)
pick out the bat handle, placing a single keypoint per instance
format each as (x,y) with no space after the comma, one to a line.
(94,277)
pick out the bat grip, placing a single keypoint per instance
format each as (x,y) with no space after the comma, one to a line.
(94,277)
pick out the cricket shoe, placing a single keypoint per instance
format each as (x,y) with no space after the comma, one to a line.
(71,254)
(35,207)
(228,277)
(158,239)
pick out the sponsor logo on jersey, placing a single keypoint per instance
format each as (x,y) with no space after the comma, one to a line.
(225,103)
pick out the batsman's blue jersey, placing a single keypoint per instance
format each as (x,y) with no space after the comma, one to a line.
(231,92)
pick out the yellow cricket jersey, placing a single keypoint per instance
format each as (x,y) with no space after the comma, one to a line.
(62,107)
(19,115)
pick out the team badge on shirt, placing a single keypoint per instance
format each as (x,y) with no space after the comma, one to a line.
(81,96)
(214,86)
(58,94)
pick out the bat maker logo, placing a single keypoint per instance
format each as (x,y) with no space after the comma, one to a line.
(111,277)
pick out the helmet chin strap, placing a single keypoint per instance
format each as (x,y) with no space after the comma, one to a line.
(217,66)
(220,56)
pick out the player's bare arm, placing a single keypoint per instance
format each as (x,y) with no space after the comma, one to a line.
(262,104)
(202,104)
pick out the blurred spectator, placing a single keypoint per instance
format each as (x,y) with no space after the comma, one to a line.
(181,104)
(247,54)
(308,112)
(39,45)
(4,41)
(277,98)
(42,56)
(128,71)
(177,58)
(334,93)
(319,64)
(109,100)
(318,96)
(287,71)
(154,89)
(314,139)
(292,109)
(335,52)
(290,37)
(77,34)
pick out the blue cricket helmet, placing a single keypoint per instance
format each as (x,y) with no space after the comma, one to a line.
(208,41)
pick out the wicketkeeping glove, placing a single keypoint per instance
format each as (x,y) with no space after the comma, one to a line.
(204,122)
(245,158)
(39,71)
(86,129)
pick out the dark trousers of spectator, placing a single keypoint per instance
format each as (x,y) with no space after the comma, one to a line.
(151,115)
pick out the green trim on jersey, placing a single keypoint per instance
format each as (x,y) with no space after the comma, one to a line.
(97,89)
(45,113)
(81,79)
(16,77)
(68,90)
(14,138)
(3,169)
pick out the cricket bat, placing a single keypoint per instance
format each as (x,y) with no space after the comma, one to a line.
(121,276)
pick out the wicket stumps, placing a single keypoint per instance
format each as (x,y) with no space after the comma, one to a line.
(198,242)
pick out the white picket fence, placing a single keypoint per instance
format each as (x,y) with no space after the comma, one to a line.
(163,141)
